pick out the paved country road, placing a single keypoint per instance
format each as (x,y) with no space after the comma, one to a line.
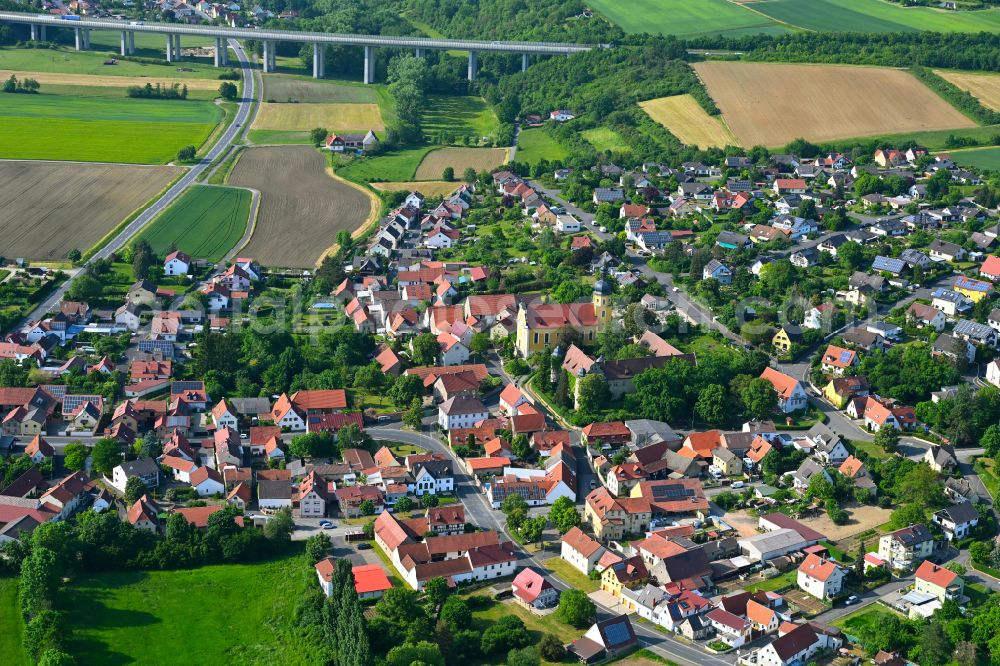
(235,129)
(479,512)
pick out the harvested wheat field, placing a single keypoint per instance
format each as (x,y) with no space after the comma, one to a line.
(685,119)
(301,206)
(304,117)
(459,159)
(49,208)
(772,104)
(984,87)
(429,188)
(57,79)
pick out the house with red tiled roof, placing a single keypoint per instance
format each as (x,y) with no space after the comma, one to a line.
(143,514)
(938,581)
(610,433)
(878,415)
(820,577)
(837,360)
(581,551)
(286,416)
(791,396)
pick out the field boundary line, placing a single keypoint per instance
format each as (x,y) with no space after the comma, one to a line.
(746,5)
(255,198)
(121,226)
(370,221)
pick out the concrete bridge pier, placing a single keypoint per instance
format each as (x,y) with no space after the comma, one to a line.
(86,38)
(420,53)
(268,56)
(78,34)
(177,47)
(131,43)
(124,43)
(473,65)
(220,50)
(37,32)
(319,61)
(170,48)
(524,61)
(369,64)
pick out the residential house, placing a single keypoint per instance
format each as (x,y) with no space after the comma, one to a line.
(791,395)
(903,548)
(581,551)
(604,640)
(938,582)
(533,590)
(820,577)
(957,521)
(787,335)
(145,469)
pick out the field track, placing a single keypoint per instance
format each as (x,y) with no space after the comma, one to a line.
(481,159)
(685,119)
(984,87)
(48,209)
(772,104)
(301,208)
(56,79)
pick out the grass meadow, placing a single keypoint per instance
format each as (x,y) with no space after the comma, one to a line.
(205,222)
(227,614)
(605,138)
(67,61)
(12,624)
(535,144)
(457,116)
(981,158)
(394,165)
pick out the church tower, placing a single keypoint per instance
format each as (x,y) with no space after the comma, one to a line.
(602,302)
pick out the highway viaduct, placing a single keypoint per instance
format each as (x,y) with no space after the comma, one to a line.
(173,31)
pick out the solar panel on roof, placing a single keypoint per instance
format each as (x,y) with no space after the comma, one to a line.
(71,402)
(845,357)
(617,633)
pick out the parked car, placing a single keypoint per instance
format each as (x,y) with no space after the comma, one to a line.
(737,484)
(364,546)
(325,524)
(851,600)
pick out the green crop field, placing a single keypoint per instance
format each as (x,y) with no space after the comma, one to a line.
(980,158)
(535,145)
(206,222)
(876,16)
(227,614)
(102,129)
(90,62)
(392,166)
(686,17)
(605,138)
(459,116)
(13,625)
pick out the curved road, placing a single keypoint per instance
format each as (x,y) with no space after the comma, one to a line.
(231,133)
(481,514)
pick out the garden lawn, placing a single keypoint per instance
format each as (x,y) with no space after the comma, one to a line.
(205,222)
(571,575)
(778,582)
(986,468)
(12,625)
(535,145)
(686,17)
(869,614)
(225,614)
(102,129)
(486,611)
(395,165)
(459,116)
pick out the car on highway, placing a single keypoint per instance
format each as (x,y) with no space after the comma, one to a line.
(364,546)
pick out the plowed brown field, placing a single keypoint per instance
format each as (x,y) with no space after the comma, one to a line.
(301,207)
(50,208)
